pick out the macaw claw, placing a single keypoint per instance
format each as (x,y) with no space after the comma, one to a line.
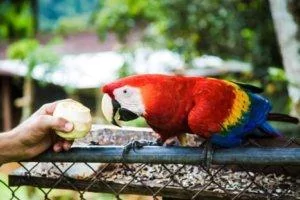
(138,144)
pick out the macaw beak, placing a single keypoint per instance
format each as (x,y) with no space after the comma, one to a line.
(114,113)
(110,109)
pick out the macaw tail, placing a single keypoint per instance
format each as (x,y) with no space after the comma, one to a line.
(269,130)
(282,118)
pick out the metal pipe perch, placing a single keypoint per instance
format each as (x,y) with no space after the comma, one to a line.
(174,155)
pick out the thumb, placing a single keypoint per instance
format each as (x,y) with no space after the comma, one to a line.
(47,122)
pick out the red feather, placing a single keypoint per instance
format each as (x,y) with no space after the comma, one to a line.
(176,105)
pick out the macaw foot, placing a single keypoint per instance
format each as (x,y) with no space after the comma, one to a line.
(138,144)
(172,143)
(208,152)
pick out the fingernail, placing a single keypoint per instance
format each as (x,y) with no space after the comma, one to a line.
(57,148)
(67,146)
(68,126)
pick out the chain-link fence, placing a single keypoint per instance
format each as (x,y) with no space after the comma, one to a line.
(251,172)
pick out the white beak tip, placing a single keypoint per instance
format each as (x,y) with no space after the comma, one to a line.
(107,110)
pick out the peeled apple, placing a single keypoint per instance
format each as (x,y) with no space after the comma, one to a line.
(77,114)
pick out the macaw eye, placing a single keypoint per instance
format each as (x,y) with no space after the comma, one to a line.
(126,92)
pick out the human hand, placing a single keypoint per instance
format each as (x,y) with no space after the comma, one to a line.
(36,134)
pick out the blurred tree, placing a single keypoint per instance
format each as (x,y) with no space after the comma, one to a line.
(30,51)
(63,12)
(236,29)
(16,19)
(71,25)
(286,15)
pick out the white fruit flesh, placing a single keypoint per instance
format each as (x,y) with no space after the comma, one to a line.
(77,114)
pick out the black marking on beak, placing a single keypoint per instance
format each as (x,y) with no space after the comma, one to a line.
(116,107)
(127,115)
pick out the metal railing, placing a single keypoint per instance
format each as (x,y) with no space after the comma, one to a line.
(251,172)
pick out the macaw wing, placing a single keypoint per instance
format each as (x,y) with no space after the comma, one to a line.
(203,121)
(213,101)
(220,107)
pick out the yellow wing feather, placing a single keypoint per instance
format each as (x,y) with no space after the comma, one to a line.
(240,105)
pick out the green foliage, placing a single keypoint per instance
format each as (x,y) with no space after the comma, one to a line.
(22,48)
(30,51)
(276,74)
(6,193)
(56,40)
(139,122)
(126,69)
(233,29)
(16,20)
(71,25)
(43,55)
(120,16)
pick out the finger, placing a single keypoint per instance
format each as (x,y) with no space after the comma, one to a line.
(67,145)
(58,146)
(49,109)
(46,109)
(54,137)
(46,122)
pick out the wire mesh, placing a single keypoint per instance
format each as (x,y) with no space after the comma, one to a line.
(158,180)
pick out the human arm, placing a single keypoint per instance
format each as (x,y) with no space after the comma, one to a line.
(34,136)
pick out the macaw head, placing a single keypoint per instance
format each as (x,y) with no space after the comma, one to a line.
(123,99)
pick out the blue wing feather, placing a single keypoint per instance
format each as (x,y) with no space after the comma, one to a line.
(255,118)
